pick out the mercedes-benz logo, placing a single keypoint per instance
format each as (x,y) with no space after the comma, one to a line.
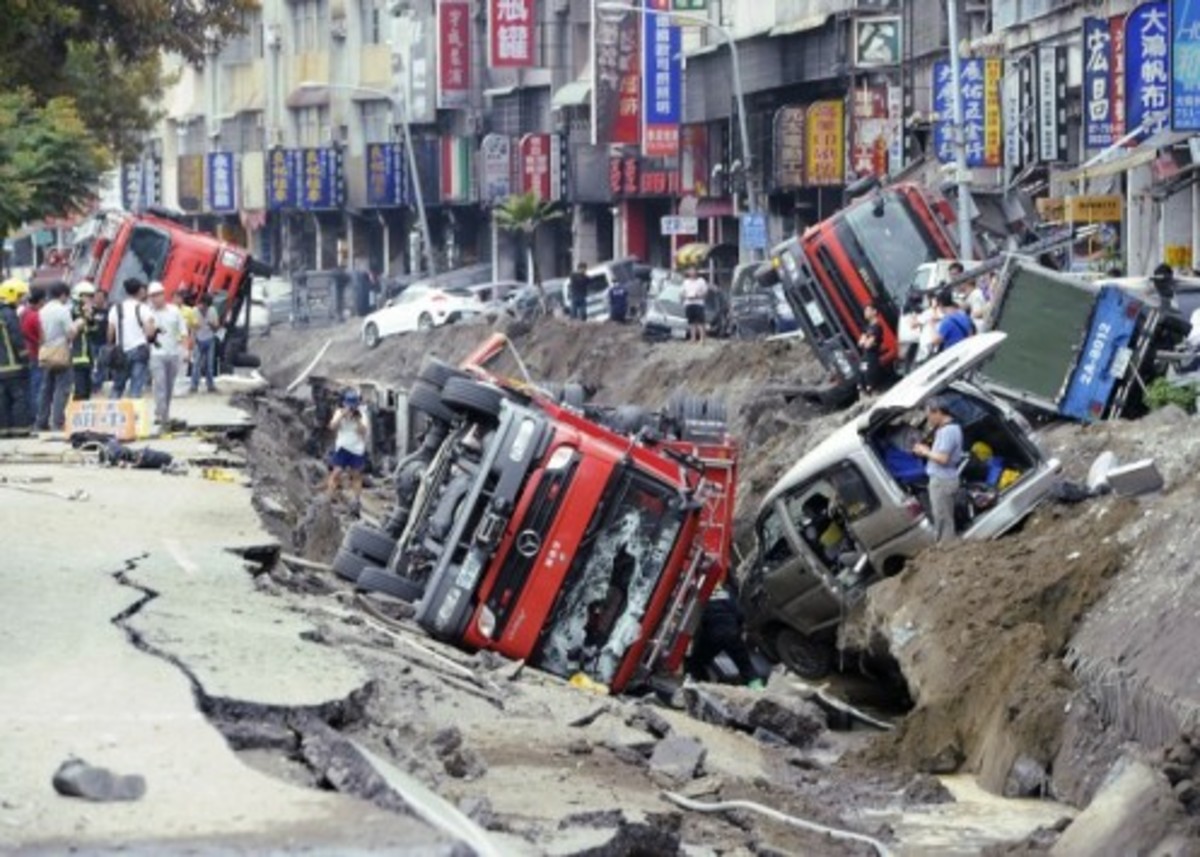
(528,543)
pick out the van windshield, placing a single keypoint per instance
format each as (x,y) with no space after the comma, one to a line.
(145,256)
(889,240)
(613,577)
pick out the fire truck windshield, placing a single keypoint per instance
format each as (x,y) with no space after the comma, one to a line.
(145,256)
(888,238)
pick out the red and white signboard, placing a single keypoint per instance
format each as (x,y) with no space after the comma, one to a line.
(454,54)
(511,33)
(535,165)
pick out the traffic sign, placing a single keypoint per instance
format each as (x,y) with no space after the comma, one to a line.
(754,231)
(674,224)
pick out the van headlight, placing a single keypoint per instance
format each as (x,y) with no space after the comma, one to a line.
(560,458)
(486,622)
(524,437)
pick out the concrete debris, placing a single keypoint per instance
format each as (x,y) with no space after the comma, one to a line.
(795,721)
(1128,816)
(703,787)
(1097,478)
(1139,477)
(925,790)
(339,765)
(649,720)
(76,778)
(580,747)
(589,718)
(464,764)
(616,833)
(1026,778)
(677,759)
(259,735)
(706,706)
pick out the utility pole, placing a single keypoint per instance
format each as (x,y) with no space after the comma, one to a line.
(960,139)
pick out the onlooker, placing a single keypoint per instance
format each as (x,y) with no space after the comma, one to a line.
(15,416)
(99,338)
(695,290)
(577,288)
(186,304)
(130,328)
(350,446)
(954,325)
(204,344)
(31,330)
(976,304)
(942,460)
(927,322)
(908,334)
(870,343)
(83,350)
(166,353)
(54,358)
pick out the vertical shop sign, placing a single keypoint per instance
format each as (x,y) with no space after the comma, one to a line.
(693,160)
(616,76)
(510,33)
(993,115)
(825,159)
(1147,66)
(1185,65)
(973,75)
(282,179)
(869,152)
(534,153)
(1052,104)
(220,181)
(1116,29)
(789,147)
(457,170)
(387,175)
(191,182)
(454,53)
(1097,83)
(1011,98)
(495,168)
(322,185)
(662,82)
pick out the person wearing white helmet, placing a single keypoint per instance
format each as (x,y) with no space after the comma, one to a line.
(15,416)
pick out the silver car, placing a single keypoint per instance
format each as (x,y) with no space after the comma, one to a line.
(854,510)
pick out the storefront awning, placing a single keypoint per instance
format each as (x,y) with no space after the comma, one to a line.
(1145,152)
(574,94)
(800,25)
(308,96)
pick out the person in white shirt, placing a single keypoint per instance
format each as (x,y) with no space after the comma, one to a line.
(695,290)
(166,352)
(349,447)
(130,326)
(58,331)
(975,302)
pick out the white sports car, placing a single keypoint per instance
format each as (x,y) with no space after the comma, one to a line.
(418,308)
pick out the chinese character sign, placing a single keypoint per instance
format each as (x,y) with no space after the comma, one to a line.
(220,182)
(983,149)
(495,167)
(282,178)
(789,147)
(1185,65)
(454,53)
(869,149)
(1147,66)
(993,112)
(825,158)
(1097,83)
(387,176)
(511,33)
(616,76)
(1116,29)
(662,82)
(535,165)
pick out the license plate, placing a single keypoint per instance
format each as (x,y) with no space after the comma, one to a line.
(1120,364)
(468,575)
(814,312)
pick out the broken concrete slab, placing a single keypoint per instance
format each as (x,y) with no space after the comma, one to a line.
(76,778)
(796,721)
(1132,812)
(677,759)
(646,718)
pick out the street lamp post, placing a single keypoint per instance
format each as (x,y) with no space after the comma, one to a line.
(406,132)
(960,139)
(738,95)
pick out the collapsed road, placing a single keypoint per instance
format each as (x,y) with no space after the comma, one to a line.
(268,710)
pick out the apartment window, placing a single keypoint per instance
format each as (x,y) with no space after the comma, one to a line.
(312,126)
(372,22)
(310,25)
(247,45)
(376,121)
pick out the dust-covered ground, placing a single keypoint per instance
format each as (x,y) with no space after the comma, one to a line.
(1043,663)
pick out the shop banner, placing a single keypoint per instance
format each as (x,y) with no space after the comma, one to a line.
(1052,104)
(869,152)
(457,169)
(1185,65)
(191,182)
(428,152)
(662,94)
(454,54)
(616,76)
(141,183)
(982,121)
(1012,125)
(495,168)
(535,165)
(825,157)
(422,89)
(220,181)
(387,176)
(1147,67)
(633,176)
(1116,29)
(283,178)
(1097,83)
(693,160)
(789,148)
(511,33)
(322,182)
(877,42)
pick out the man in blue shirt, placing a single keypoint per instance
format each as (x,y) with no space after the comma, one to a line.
(955,325)
(942,459)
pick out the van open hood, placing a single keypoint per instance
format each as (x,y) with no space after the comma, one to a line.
(932,377)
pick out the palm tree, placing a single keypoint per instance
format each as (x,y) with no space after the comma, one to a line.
(524,214)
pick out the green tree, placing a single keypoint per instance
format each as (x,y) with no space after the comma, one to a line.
(49,162)
(524,214)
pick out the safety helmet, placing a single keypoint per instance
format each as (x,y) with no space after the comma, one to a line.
(83,289)
(12,290)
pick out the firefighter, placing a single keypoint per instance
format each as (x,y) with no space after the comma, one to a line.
(16,418)
(87,323)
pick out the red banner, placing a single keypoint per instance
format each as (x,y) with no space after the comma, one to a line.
(617,79)
(534,156)
(454,53)
(869,154)
(511,33)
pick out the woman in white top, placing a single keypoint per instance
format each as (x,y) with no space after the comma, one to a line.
(695,290)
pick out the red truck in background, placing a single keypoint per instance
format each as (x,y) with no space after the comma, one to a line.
(585,540)
(112,246)
(867,253)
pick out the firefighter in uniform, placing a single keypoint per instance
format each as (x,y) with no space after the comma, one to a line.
(87,324)
(16,417)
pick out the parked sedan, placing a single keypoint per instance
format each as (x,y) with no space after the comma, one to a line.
(666,318)
(418,308)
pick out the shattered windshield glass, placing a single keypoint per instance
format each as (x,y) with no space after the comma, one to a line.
(145,256)
(892,242)
(600,610)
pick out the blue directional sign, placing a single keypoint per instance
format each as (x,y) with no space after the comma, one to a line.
(754,231)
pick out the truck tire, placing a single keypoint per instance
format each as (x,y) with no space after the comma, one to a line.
(808,658)
(472,398)
(370,543)
(573,396)
(424,397)
(371,337)
(438,372)
(348,566)
(401,588)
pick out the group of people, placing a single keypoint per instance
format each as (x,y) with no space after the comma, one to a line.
(59,344)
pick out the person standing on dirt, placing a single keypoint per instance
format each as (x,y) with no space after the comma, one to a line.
(721,631)
(204,344)
(167,353)
(15,416)
(870,343)
(577,289)
(349,447)
(942,459)
(695,290)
